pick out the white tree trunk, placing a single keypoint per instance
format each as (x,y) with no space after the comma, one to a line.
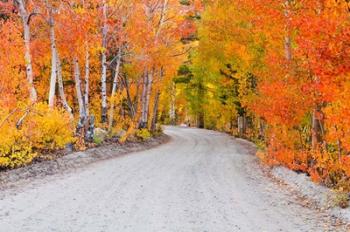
(155,111)
(149,91)
(61,87)
(161,19)
(146,96)
(104,64)
(27,56)
(78,89)
(156,102)
(87,80)
(114,89)
(143,121)
(172,111)
(53,78)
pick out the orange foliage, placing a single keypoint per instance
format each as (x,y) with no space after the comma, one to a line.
(64,49)
(298,55)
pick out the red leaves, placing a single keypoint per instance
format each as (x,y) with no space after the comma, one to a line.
(6,8)
(316,75)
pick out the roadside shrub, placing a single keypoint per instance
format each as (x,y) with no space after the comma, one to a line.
(143,134)
(15,148)
(129,134)
(98,140)
(52,128)
(99,136)
(42,129)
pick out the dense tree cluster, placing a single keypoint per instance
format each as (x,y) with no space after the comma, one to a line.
(278,72)
(273,71)
(67,66)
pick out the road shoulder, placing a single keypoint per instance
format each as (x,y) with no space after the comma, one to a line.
(75,160)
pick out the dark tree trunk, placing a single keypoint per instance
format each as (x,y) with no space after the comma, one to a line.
(155,112)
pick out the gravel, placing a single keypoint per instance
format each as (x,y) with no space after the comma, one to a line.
(320,196)
(199,181)
(75,160)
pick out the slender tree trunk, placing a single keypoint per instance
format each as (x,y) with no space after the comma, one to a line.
(53,79)
(316,128)
(172,111)
(89,120)
(137,99)
(156,102)
(81,132)
(262,127)
(155,112)
(339,150)
(317,121)
(131,105)
(87,80)
(27,55)
(61,87)
(242,125)
(80,98)
(161,19)
(143,122)
(148,95)
(104,65)
(114,89)
(56,66)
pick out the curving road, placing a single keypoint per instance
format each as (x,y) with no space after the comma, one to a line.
(199,181)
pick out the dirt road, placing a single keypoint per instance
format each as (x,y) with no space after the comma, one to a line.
(199,181)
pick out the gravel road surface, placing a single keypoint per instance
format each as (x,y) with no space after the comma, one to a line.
(201,181)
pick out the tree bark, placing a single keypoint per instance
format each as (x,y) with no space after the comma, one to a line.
(317,121)
(87,80)
(80,98)
(155,112)
(161,19)
(148,95)
(172,111)
(143,121)
(156,103)
(53,78)
(61,87)
(316,128)
(114,89)
(27,55)
(131,105)
(242,125)
(104,65)
(262,127)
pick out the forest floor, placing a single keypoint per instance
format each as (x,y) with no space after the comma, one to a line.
(199,181)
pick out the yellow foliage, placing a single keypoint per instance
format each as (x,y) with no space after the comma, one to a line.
(53,128)
(15,148)
(42,129)
(143,134)
(129,132)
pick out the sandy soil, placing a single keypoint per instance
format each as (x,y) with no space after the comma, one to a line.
(199,181)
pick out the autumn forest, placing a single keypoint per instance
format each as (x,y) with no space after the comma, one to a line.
(274,72)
